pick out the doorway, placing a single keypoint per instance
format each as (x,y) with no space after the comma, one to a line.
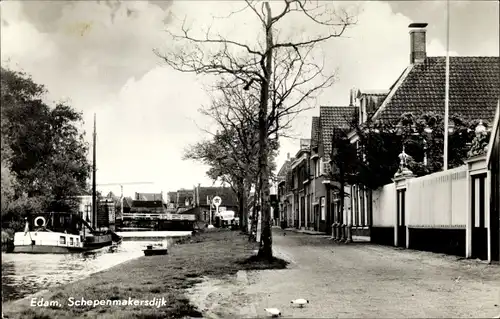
(479,230)
(401,217)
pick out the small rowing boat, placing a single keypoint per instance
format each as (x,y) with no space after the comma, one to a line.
(155,250)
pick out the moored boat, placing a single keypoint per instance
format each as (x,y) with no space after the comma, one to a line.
(155,250)
(60,233)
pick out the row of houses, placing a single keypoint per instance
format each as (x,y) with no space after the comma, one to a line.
(184,201)
(454,211)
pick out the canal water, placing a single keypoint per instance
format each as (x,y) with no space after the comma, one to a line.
(25,274)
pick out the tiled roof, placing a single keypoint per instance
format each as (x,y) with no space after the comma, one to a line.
(474,89)
(226,194)
(284,169)
(331,117)
(315,132)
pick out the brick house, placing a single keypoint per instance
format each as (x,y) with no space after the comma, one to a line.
(301,188)
(473,94)
(284,202)
(202,202)
(326,197)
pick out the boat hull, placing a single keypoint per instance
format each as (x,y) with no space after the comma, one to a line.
(57,243)
(155,251)
(43,249)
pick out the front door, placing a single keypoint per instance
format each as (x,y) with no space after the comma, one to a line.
(316,217)
(401,218)
(479,230)
(302,211)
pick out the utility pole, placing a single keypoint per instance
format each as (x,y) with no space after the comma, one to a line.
(447,88)
(121,200)
(94,192)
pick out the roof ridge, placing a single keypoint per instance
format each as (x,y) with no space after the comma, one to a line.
(395,87)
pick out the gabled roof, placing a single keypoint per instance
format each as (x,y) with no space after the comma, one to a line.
(315,132)
(474,89)
(127,202)
(284,170)
(331,117)
(227,195)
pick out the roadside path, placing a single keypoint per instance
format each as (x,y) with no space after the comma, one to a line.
(363,281)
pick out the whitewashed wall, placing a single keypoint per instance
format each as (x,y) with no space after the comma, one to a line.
(439,199)
(384,206)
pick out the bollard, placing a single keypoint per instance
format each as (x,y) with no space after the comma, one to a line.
(349,234)
(337,231)
(344,233)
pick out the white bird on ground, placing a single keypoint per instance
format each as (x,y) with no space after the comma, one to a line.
(301,302)
(274,312)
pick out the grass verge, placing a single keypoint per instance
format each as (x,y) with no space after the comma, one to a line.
(212,253)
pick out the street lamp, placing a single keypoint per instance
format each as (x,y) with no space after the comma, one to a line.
(399,129)
(480,128)
(428,131)
(451,126)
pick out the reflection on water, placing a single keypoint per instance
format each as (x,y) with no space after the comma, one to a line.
(24,274)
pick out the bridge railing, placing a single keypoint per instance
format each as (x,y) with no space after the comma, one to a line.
(180,217)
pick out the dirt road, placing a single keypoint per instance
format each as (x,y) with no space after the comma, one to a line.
(358,280)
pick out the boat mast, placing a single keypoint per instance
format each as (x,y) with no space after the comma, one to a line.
(94,206)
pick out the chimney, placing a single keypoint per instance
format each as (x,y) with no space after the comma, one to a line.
(287,156)
(352,96)
(417,42)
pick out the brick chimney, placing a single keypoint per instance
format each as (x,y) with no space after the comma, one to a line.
(417,42)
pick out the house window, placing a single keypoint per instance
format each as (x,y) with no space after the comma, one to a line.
(321,166)
(71,241)
(62,240)
(323,209)
(316,168)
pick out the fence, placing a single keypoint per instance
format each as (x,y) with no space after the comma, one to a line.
(435,200)
(433,216)
(438,200)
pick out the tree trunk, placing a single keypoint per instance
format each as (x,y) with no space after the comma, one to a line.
(265,250)
(241,196)
(246,194)
(254,209)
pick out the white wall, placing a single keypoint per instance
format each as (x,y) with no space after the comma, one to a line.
(384,207)
(439,199)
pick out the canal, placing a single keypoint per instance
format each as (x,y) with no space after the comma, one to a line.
(25,274)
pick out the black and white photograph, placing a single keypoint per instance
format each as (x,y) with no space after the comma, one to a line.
(250,159)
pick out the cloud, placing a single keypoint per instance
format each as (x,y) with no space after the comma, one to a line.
(99,54)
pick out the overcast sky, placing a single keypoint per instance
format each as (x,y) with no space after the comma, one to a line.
(99,56)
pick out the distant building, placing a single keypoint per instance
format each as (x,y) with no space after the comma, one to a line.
(202,202)
(149,196)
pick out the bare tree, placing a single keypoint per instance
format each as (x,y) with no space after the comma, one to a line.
(286,74)
(232,154)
